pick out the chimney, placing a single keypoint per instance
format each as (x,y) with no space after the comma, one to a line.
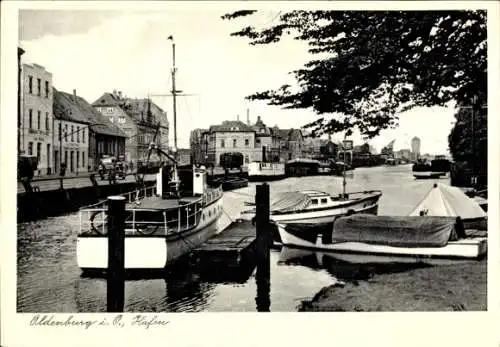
(238,117)
(74,95)
(248,116)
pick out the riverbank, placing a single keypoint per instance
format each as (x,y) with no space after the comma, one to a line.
(455,287)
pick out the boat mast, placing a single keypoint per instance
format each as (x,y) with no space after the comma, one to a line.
(174,92)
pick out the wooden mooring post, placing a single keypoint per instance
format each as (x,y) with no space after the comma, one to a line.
(116,254)
(264,239)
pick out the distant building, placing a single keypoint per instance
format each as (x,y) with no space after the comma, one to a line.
(198,144)
(415,148)
(388,151)
(403,154)
(36,121)
(82,122)
(231,136)
(288,143)
(255,142)
(138,119)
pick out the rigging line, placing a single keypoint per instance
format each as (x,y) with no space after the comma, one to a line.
(227,214)
(242,194)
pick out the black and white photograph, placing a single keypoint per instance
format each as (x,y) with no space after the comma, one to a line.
(233,158)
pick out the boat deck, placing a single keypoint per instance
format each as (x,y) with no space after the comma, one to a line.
(158,203)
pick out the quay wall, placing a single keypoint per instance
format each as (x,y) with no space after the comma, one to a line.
(42,204)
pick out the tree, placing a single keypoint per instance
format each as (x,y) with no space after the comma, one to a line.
(373,65)
(461,137)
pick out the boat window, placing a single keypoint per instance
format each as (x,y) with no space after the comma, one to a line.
(324,201)
(314,201)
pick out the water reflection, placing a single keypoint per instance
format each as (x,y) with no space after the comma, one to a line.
(178,289)
(349,267)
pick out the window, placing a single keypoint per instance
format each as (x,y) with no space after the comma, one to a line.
(222,144)
(77,159)
(66,158)
(234,143)
(83,135)
(47,125)
(46,89)
(30,121)
(39,87)
(72,133)
(60,132)
(38,151)
(30,148)
(247,160)
(66,133)
(38,119)
(77,136)
(30,84)
(324,201)
(48,154)
(258,142)
(314,201)
(83,159)
(247,142)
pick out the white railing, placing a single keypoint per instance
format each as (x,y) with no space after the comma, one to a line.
(173,220)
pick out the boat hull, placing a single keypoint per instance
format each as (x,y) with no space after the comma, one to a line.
(428,175)
(367,206)
(149,251)
(470,248)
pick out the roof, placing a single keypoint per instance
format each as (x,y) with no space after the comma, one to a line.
(231,125)
(108,99)
(82,112)
(290,134)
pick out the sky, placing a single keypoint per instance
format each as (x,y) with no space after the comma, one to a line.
(100,51)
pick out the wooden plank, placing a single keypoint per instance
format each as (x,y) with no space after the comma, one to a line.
(228,244)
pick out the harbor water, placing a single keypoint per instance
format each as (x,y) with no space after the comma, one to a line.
(50,281)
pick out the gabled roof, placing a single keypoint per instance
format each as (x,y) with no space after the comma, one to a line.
(231,125)
(66,107)
(108,99)
(290,134)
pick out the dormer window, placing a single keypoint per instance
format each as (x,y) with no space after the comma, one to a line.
(314,201)
(324,201)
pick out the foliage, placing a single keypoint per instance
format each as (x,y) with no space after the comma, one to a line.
(460,138)
(372,65)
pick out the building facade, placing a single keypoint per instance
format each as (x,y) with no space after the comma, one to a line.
(415,148)
(231,137)
(139,119)
(86,135)
(36,121)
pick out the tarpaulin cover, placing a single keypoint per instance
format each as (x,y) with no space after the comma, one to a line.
(398,231)
(289,202)
(448,201)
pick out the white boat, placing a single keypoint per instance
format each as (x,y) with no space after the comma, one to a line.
(161,226)
(262,171)
(420,236)
(317,207)
(158,229)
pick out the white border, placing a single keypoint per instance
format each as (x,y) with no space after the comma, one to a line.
(220,329)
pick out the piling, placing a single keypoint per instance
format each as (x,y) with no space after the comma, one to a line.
(264,239)
(116,254)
